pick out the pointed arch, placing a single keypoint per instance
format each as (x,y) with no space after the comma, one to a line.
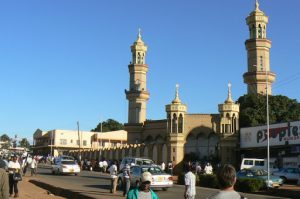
(146,151)
(174,123)
(154,154)
(164,153)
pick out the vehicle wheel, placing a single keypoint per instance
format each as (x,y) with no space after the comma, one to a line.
(53,172)
(165,189)
(76,174)
(283,179)
(120,184)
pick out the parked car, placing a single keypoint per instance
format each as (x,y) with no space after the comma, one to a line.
(62,166)
(260,174)
(288,174)
(160,179)
(135,161)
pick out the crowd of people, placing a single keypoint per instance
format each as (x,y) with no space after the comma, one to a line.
(12,168)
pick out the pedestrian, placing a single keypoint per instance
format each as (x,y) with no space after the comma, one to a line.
(227,178)
(126,179)
(143,191)
(101,165)
(163,166)
(33,166)
(208,169)
(114,178)
(170,168)
(105,165)
(190,182)
(198,168)
(13,167)
(4,187)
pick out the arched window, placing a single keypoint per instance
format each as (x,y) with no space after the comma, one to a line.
(180,124)
(174,123)
(169,123)
(259,31)
(253,32)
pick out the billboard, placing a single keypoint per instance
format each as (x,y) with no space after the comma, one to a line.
(279,134)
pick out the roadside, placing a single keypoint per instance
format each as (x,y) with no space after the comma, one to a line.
(29,190)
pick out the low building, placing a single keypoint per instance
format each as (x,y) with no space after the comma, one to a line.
(284,142)
(57,141)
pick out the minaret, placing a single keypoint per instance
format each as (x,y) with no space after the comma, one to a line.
(229,112)
(258,50)
(175,113)
(137,94)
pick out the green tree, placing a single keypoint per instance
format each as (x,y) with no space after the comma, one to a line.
(253,109)
(5,138)
(24,143)
(109,125)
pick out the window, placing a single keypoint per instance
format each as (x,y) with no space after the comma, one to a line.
(248,162)
(84,142)
(259,163)
(63,141)
(77,142)
(71,141)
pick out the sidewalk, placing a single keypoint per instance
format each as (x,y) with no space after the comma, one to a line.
(29,190)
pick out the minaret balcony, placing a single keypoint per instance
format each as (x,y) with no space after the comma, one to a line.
(134,94)
(258,77)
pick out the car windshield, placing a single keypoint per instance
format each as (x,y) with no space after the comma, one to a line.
(68,162)
(152,170)
(260,172)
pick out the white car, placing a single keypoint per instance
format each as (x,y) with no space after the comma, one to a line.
(160,179)
(288,174)
(65,167)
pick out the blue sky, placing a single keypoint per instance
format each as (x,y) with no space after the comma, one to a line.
(67,61)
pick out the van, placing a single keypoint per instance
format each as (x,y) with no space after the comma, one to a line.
(255,163)
(135,161)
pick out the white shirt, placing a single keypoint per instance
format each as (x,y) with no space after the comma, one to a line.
(33,164)
(113,171)
(100,164)
(163,166)
(190,181)
(13,165)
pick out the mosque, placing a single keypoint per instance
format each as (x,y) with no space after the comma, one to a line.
(204,136)
(181,134)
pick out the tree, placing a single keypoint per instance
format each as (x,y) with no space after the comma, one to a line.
(109,125)
(253,109)
(5,138)
(24,143)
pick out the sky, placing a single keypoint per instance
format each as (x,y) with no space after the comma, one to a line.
(67,61)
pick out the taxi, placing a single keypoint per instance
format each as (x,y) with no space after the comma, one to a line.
(160,179)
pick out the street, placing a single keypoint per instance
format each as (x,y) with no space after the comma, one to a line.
(95,184)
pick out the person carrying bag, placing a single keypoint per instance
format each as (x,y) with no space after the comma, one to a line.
(14,176)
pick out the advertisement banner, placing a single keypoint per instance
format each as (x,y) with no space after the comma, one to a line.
(279,134)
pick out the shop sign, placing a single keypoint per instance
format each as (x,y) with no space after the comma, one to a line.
(279,134)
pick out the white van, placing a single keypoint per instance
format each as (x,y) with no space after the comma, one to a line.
(255,163)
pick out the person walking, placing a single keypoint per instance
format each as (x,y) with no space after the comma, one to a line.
(143,191)
(227,178)
(13,167)
(126,179)
(4,190)
(33,166)
(163,166)
(114,178)
(190,183)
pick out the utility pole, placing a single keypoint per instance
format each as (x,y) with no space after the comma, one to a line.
(51,143)
(268,129)
(79,140)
